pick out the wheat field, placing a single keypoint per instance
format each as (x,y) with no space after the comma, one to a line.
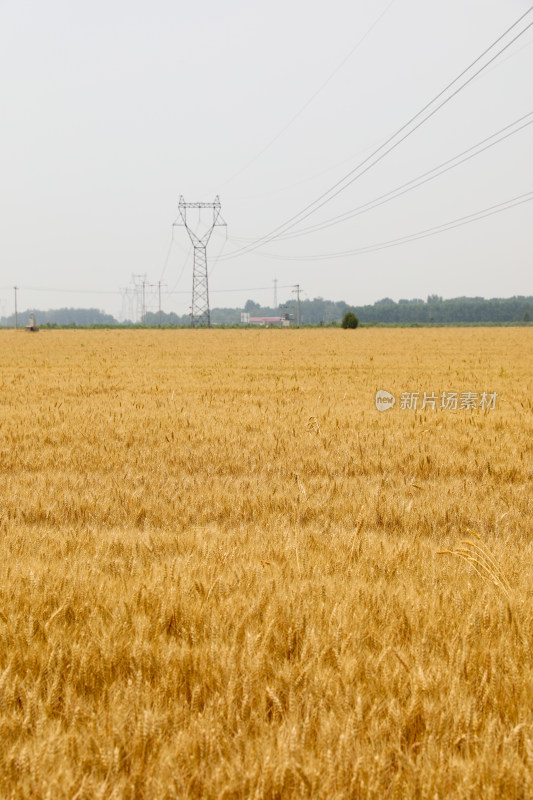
(224,574)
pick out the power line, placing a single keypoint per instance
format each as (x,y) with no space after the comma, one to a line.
(119,291)
(187,252)
(253,289)
(313,96)
(165,263)
(217,258)
(309,176)
(338,187)
(375,157)
(420,180)
(245,289)
(445,226)
(183,268)
(64,290)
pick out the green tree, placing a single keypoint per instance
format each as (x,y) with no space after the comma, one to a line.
(349,320)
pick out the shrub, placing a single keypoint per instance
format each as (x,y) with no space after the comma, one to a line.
(349,320)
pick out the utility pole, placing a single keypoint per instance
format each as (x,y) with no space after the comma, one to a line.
(159,297)
(143,312)
(297,291)
(200,314)
(275,293)
(16,316)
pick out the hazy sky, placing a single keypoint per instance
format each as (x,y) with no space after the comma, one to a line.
(112,110)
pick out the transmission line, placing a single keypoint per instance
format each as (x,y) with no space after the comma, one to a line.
(313,96)
(420,180)
(390,144)
(445,226)
(165,263)
(64,290)
(245,289)
(180,276)
(217,258)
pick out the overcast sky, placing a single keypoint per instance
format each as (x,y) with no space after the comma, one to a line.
(112,110)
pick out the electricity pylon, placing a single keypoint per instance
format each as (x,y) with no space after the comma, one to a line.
(200,314)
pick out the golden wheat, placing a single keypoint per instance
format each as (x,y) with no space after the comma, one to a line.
(219,569)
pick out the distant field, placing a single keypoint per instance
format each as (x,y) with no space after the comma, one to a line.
(220,573)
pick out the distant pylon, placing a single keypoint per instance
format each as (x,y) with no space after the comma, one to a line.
(200,314)
(139,282)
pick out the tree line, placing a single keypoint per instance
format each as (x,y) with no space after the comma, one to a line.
(318,311)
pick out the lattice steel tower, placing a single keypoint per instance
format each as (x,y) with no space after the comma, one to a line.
(200,238)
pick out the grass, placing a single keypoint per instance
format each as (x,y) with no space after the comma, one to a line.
(220,572)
